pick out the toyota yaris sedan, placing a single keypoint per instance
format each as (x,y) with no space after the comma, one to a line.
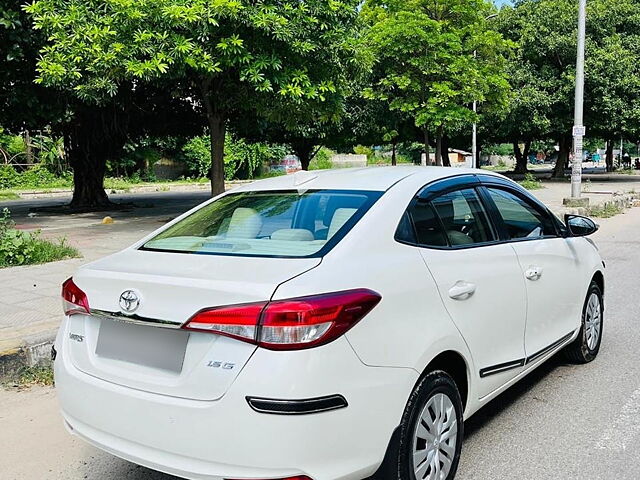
(325,326)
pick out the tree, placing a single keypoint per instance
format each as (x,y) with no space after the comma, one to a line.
(543,71)
(23,104)
(527,117)
(434,58)
(229,57)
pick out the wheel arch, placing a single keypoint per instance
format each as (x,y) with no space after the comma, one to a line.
(454,364)
(598,278)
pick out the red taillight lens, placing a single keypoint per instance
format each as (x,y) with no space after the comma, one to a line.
(237,321)
(74,300)
(289,324)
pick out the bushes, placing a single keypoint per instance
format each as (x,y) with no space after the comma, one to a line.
(35,177)
(242,160)
(322,160)
(23,248)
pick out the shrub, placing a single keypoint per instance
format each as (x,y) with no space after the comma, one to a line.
(322,160)
(23,248)
(530,182)
(8,177)
(241,159)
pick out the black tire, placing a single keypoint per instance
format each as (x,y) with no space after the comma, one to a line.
(579,351)
(434,383)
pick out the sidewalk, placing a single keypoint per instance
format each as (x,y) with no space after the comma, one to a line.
(30,309)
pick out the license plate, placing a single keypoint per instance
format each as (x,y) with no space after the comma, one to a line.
(149,346)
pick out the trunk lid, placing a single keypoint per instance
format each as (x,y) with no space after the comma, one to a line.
(128,350)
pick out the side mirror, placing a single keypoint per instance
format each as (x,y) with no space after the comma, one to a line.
(580,226)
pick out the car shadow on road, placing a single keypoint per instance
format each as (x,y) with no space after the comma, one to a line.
(513,395)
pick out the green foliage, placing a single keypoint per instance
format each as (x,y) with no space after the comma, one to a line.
(501,149)
(530,182)
(322,160)
(361,150)
(12,144)
(606,210)
(242,160)
(23,248)
(435,58)
(5,195)
(35,177)
(51,153)
(197,154)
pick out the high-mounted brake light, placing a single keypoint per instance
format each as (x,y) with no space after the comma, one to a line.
(293,324)
(74,300)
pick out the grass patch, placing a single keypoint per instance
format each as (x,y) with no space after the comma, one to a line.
(607,210)
(30,376)
(530,182)
(28,248)
(9,196)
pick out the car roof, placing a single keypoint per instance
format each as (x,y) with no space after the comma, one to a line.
(371,178)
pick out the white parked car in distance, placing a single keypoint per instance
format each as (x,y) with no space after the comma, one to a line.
(328,325)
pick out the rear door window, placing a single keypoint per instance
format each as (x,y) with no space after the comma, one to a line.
(454,219)
(283,224)
(463,217)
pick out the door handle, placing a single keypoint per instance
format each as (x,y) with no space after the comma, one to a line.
(462,291)
(533,273)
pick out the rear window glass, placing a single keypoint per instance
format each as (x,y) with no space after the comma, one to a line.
(282,224)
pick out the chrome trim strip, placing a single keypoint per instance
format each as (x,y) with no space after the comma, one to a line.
(135,319)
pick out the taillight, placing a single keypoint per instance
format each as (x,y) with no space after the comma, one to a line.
(293,324)
(74,300)
(237,321)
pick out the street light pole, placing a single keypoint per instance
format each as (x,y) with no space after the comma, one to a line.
(474,135)
(578,129)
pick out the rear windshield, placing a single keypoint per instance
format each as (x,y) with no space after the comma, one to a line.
(268,224)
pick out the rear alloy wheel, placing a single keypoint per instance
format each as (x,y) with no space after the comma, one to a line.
(431,430)
(586,347)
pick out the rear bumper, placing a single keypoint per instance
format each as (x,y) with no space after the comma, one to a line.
(214,440)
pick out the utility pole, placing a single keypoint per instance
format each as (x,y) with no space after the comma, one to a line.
(579,130)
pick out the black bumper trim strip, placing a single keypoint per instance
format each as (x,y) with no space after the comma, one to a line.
(297,407)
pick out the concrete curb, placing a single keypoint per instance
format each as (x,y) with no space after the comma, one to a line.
(621,200)
(152,188)
(34,351)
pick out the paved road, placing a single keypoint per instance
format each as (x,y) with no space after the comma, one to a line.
(562,422)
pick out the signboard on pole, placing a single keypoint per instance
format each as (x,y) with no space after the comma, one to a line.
(579,131)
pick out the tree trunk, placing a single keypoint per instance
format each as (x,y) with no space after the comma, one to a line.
(563,156)
(427,148)
(216,117)
(304,151)
(439,147)
(446,161)
(394,160)
(217,132)
(609,155)
(96,134)
(522,157)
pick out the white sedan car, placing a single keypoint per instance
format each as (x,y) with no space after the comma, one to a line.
(324,326)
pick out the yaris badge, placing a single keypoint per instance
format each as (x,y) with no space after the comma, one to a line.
(129,301)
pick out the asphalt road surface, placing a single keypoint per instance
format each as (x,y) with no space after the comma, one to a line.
(562,422)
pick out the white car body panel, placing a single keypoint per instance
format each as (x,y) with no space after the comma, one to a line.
(196,422)
(493,334)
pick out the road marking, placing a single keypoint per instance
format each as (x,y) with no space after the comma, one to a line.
(625,427)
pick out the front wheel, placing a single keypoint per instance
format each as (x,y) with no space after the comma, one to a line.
(586,347)
(431,430)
